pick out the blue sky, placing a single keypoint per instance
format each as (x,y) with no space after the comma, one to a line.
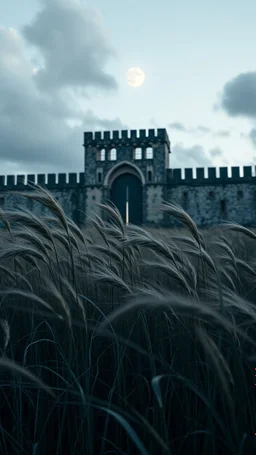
(200,79)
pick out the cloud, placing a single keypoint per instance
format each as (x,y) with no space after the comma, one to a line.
(252,136)
(238,97)
(203,129)
(154,123)
(200,129)
(94,122)
(36,109)
(217,151)
(177,126)
(72,44)
(222,133)
(193,157)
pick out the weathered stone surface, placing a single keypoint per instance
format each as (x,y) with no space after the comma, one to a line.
(154,199)
(93,196)
(203,203)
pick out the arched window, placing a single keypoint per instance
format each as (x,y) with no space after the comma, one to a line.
(149,153)
(150,176)
(138,153)
(112,154)
(240,194)
(99,177)
(101,155)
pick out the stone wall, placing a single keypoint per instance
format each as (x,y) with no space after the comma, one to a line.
(209,199)
(68,190)
(154,197)
(71,200)
(93,196)
(209,205)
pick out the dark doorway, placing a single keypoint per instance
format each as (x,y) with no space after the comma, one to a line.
(128,184)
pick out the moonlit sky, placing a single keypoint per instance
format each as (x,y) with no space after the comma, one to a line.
(63,71)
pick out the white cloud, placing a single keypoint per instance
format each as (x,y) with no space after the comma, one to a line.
(198,130)
(73,45)
(40,128)
(189,157)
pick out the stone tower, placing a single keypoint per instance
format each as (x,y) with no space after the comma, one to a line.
(128,168)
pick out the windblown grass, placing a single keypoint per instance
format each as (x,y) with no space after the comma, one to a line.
(120,339)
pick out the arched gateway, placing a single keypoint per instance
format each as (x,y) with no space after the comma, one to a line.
(124,182)
(126,194)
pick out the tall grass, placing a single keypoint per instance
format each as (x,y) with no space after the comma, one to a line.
(117,339)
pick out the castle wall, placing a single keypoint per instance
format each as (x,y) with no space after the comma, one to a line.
(207,202)
(70,200)
(210,200)
(154,197)
(94,195)
(67,190)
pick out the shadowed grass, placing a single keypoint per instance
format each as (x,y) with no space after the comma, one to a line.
(144,341)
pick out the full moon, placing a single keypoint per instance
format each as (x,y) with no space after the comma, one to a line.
(135,77)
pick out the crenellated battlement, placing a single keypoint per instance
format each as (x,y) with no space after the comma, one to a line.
(174,176)
(203,176)
(125,137)
(50,181)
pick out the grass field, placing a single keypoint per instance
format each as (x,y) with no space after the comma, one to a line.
(125,340)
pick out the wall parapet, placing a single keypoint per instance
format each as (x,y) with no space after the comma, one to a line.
(125,137)
(174,176)
(50,181)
